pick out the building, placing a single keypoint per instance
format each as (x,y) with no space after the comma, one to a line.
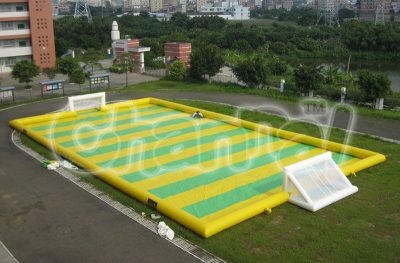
(371,10)
(132,47)
(200,3)
(156,5)
(227,10)
(278,4)
(26,33)
(135,5)
(177,50)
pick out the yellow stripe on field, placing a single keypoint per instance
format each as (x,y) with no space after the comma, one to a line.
(238,180)
(84,116)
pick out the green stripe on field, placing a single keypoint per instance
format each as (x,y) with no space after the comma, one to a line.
(228,171)
(197,159)
(130,130)
(101,116)
(240,194)
(110,124)
(148,139)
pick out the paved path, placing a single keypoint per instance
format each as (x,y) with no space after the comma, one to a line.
(46,218)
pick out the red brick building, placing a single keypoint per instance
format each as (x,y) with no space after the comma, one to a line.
(26,33)
(178,50)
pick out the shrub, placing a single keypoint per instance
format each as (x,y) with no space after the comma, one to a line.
(176,70)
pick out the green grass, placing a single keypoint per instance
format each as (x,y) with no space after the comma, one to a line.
(361,228)
(166,85)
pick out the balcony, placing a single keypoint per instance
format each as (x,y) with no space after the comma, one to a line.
(14,33)
(15,51)
(14,14)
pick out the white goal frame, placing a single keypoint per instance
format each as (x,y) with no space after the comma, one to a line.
(313,187)
(101,96)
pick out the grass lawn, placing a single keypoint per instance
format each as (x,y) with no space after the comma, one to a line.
(166,85)
(363,227)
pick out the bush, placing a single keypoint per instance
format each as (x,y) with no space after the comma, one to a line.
(277,67)
(116,69)
(176,70)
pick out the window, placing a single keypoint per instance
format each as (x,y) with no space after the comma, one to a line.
(10,61)
(7,26)
(20,8)
(8,43)
(22,43)
(21,26)
(5,8)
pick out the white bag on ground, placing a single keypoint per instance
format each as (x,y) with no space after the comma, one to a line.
(165,231)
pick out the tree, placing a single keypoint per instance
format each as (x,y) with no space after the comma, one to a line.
(375,86)
(67,64)
(77,76)
(176,70)
(180,19)
(50,72)
(25,71)
(252,70)
(206,60)
(91,59)
(308,78)
(277,67)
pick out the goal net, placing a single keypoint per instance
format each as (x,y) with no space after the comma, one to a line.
(316,182)
(87,101)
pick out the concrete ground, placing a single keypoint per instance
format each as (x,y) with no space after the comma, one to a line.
(46,218)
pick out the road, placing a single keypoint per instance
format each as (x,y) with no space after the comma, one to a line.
(46,218)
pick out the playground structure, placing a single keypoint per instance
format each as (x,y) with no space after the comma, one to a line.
(207,174)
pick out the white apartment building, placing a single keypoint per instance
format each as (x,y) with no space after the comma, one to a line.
(229,10)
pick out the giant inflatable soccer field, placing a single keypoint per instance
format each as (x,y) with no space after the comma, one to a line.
(207,174)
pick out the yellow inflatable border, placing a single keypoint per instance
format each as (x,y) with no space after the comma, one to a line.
(205,229)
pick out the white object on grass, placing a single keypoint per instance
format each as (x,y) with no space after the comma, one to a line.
(87,101)
(316,182)
(165,231)
(154,216)
(68,165)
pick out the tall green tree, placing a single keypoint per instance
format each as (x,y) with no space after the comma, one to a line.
(91,59)
(253,71)
(67,64)
(25,71)
(375,86)
(308,78)
(206,60)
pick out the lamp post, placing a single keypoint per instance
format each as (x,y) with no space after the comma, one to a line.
(126,71)
(282,86)
(342,94)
